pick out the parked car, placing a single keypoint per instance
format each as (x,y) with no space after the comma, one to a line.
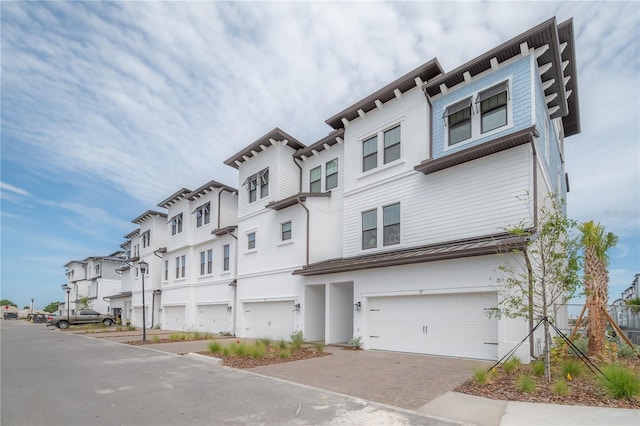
(10,315)
(85,316)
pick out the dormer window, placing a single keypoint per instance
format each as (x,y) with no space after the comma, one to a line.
(176,224)
(203,214)
(261,180)
(493,107)
(458,118)
(146,238)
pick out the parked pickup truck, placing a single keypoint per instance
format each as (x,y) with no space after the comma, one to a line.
(85,316)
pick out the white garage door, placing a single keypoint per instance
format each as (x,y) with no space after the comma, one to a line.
(173,318)
(213,318)
(452,325)
(269,319)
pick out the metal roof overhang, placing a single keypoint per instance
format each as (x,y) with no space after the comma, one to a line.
(329,140)
(493,244)
(276,135)
(503,143)
(295,199)
(407,82)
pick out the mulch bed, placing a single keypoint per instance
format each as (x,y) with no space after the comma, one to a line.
(583,390)
(244,362)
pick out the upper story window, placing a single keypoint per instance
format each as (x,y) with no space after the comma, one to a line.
(493,108)
(251,241)
(388,142)
(259,180)
(286,231)
(203,214)
(392,144)
(176,224)
(466,121)
(315,179)
(166,270)
(146,238)
(206,262)
(181,266)
(331,178)
(369,229)
(226,253)
(97,269)
(136,250)
(370,154)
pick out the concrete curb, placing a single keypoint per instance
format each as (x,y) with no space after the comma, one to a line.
(204,358)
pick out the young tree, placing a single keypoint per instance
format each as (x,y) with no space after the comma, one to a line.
(544,273)
(51,307)
(596,242)
(7,302)
(84,303)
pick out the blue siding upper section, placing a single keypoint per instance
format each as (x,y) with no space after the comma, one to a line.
(520,94)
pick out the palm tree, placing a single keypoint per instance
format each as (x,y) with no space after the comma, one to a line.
(596,242)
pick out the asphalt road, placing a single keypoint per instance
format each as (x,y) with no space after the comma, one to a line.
(50,377)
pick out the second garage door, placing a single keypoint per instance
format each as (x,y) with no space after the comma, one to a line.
(173,318)
(447,324)
(269,319)
(213,318)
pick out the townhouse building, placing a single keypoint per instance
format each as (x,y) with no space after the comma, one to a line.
(91,280)
(391,228)
(198,260)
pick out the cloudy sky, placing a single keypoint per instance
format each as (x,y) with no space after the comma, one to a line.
(108,108)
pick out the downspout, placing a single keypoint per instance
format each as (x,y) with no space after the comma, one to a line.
(300,177)
(307,245)
(234,283)
(219,197)
(526,255)
(153,294)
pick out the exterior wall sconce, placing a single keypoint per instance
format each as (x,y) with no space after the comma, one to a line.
(229,307)
(357,306)
(296,307)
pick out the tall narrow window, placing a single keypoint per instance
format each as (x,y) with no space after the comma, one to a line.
(97,270)
(177,267)
(210,261)
(253,189)
(146,238)
(202,260)
(331,180)
(370,154)
(184,264)
(392,145)
(166,270)
(391,219)
(286,231)
(493,107)
(369,229)
(225,258)
(459,121)
(315,179)
(251,241)
(264,183)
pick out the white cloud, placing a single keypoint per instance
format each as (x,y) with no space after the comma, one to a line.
(14,189)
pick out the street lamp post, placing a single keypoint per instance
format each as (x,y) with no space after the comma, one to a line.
(143,270)
(68,290)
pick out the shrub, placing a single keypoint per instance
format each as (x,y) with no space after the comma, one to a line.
(625,351)
(239,349)
(513,363)
(561,388)
(537,367)
(319,346)
(620,382)
(581,344)
(156,339)
(571,367)
(296,340)
(174,337)
(356,342)
(480,375)
(264,341)
(257,351)
(215,347)
(282,344)
(526,384)
(196,335)
(284,353)
(226,351)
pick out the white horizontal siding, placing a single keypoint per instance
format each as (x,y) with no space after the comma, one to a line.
(472,199)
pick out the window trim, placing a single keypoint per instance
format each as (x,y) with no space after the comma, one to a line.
(363,231)
(385,148)
(202,262)
(176,224)
(384,226)
(226,257)
(203,214)
(283,232)
(327,175)
(318,181)
(209,261)
(373,154)
(251,240)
